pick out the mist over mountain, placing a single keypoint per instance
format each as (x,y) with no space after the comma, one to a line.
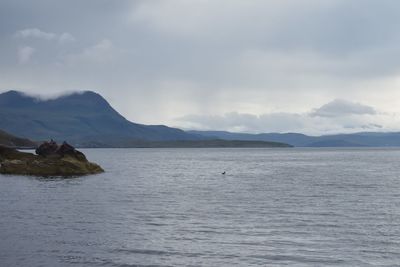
(81,118)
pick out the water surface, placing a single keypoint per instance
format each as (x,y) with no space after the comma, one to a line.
(172,207)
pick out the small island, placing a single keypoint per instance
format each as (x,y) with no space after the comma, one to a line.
(51,159)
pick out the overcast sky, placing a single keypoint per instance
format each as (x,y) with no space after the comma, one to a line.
(306,66)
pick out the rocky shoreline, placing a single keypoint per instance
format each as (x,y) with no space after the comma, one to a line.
(51,160)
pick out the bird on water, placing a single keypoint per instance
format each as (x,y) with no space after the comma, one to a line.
(223,173)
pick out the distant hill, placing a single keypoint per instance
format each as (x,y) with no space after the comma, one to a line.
(212,143)
(334,143)
(78,118)
(294,139)
(7,139)
(368,139)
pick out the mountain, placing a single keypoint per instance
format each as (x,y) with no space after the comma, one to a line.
(367,139)
(84,118)
(294,139)
(206,143)
(9,140)
(334,143)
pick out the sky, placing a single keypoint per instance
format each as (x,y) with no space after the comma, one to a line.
(309,66)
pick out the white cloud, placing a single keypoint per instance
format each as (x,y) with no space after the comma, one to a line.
(49,36)
(101,52)
(242,122)
(355,119)
(66,38)
(35,33)
(340,107)
(25,53)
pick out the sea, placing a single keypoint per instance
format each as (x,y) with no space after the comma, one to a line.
(174,207)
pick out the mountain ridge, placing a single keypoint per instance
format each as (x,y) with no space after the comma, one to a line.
(76,117)
(85,118)
(10,140)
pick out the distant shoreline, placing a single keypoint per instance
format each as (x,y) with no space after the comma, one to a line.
(190,144)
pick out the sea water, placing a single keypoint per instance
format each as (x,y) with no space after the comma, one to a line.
(174,207)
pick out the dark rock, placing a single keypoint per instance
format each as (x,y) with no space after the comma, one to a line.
(67,149)
(52,160)
(47,148)
(53,149)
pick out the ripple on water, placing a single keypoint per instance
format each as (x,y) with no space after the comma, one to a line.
(172,207)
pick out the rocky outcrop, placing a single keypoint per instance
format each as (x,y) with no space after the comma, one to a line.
(52,160)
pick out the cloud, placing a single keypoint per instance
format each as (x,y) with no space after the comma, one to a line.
(201,18)
(242,122)
(340,107)
(39,34)
(281,58)
(369,126)
(353,118)
(25,53)
(66,38)
(101,52)
(35,33)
